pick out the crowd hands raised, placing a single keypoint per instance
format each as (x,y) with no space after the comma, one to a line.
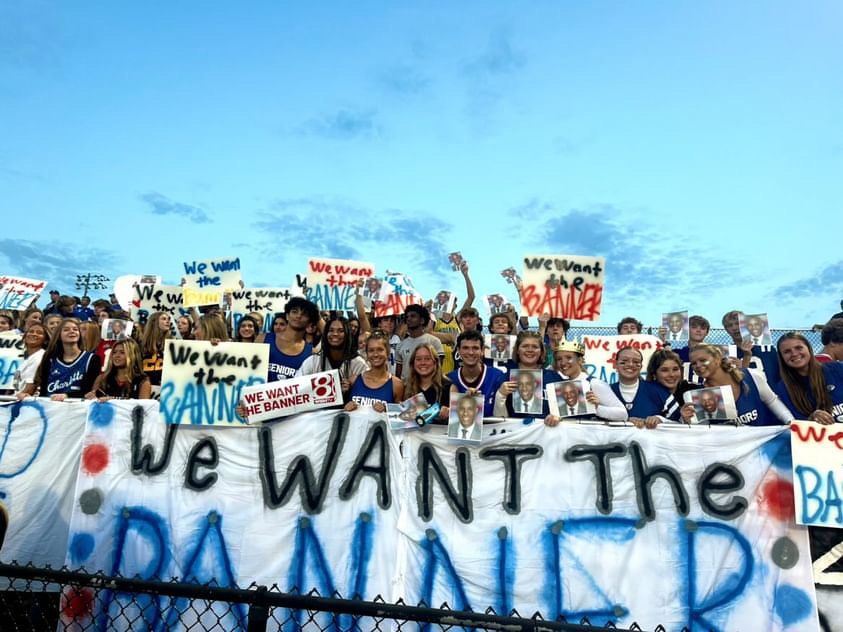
(442,356)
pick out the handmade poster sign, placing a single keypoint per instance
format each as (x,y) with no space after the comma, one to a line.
(18,293)
(601,352)
(266,301)
(676,326)
(397,292)
(817,473)
(565,286)
(690,528)
(202,384)
(332,283)
(204,281)
(11,357)
(148,299)
(289,397)
(124,286)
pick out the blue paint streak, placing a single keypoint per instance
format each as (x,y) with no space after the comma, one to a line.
(101,414)
(792,604)
(211,536)
(437,557)
(730,589)
(15,413)
(150,526)
(361,554)
(506,574)
(81,547)
(597,528)
(309,546)
(777,450)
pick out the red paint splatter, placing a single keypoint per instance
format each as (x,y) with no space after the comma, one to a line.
(777,499)
(77,603)
(94,458)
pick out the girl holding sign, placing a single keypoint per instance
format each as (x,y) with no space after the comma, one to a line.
(124,377)
(529,355)
(757,404)
(426,378)
(376,387)
(809,389)
(155,333)
(569,357)
(66,370)
(339,351)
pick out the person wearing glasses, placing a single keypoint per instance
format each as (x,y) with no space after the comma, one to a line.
(644,401)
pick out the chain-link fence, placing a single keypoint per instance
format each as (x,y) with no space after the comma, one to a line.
(36,599)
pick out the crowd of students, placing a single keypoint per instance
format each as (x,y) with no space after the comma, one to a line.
(393,358)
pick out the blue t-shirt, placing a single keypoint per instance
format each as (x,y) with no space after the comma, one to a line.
(490,381)
(833,374)
(281,365)
(767,359)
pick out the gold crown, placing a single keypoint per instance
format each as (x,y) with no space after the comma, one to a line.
(570,345)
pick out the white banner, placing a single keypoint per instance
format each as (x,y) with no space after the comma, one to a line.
(687,527)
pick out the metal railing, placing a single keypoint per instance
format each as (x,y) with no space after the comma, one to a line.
(35,599)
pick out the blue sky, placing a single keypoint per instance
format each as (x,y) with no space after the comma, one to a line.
(697,146)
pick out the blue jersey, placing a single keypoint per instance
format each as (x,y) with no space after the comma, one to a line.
(833,374)
(766,359)
(365,396)
(74,379)
(281,365)
(751,410)
(650,399)
(490,381)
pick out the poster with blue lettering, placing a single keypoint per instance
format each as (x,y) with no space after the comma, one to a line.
(332,283)
(204,281)
(305,503)
(688,529)
(202,383)
(601,352)
(817,473)
(148,299)
(18,293)
(11,357)
(262,301)
(397,292)
(40,448)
